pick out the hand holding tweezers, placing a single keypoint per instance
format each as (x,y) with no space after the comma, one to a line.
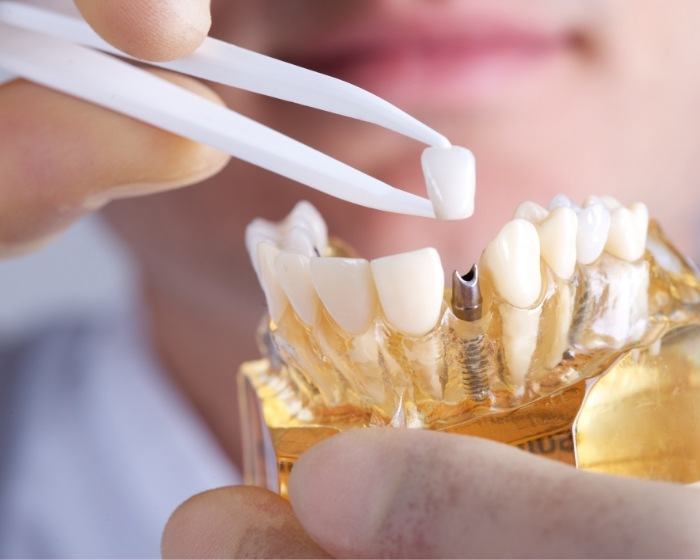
(62,52)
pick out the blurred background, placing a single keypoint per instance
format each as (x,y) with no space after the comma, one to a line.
(84,270)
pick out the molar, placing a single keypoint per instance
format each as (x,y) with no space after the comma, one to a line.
(410,289)
(450,176)
(294,277)
(347,291)
(563,201)
(628,232)
(304,214)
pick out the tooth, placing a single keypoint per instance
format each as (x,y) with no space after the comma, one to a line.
(562,201)
(450,176)
(563,315)
(274,295)
(593,228)
(305,214)
(347,291)
(256,232)
(410,288)
(294,277)
(628,232)
(300,240)
(514,260)
(531,211)
(520,328)
(610,202)
(558,241)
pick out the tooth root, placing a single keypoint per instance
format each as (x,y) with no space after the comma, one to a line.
(304,214)
(558,241)
(513,258)
(593,229)
(563,315)
(520,329)
(299,239)
(294,277)
(450,176)
(347,291)
(256,232)
(628,232)
(531,211)
(274,295)
(410,288)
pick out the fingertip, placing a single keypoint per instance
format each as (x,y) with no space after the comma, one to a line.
(236,522)
(149,30)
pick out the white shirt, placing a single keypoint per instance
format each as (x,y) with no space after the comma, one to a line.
(97,448)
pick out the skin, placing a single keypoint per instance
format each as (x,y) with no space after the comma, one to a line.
(613,116)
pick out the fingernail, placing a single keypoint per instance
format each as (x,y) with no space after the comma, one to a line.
(342,489)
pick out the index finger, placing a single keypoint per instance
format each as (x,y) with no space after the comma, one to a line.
(414,493)
(150,29)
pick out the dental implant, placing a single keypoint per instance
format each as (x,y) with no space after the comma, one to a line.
(468,345)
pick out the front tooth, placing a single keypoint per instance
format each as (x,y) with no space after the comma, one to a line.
(274,295)
(256,232)
(410,288)
(294,276)
(520,329)
(450,176)
(346,289)
(531,211)
(305,214)
(628,232)
(558,241)
(562,201)
(593,228)
(300,240)
(514,260)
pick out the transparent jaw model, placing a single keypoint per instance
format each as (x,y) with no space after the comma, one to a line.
(576,337)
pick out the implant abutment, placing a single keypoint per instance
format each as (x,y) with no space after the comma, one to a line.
(466,295)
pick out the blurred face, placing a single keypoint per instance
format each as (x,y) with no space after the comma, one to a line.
(578,96)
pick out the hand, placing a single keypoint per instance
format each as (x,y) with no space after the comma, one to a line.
(412,493)
(62,157)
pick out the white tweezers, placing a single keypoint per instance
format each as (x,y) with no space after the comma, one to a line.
(62,52)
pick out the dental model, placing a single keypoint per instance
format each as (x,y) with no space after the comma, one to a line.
(561,296)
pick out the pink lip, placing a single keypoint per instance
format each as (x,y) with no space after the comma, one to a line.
(423,61)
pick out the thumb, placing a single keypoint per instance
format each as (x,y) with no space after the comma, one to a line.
(415,493)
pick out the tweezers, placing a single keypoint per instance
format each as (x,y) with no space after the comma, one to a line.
(61,51)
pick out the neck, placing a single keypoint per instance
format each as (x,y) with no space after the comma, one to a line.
(201,347)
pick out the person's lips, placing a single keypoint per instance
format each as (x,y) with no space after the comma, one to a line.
(438,61)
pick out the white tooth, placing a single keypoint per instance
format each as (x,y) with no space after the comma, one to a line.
(514,260)
(410,288)
(562,201)
(593,228)
(610,202)
(520,328)
(305,214)
(347,291)
(628,232)
(450,177)
(558,241)
(256,232)
(531,211)
(299,239)
(275,296)
(294,276)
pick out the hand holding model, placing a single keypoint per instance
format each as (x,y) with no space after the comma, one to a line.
(90,154)
(389,493)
